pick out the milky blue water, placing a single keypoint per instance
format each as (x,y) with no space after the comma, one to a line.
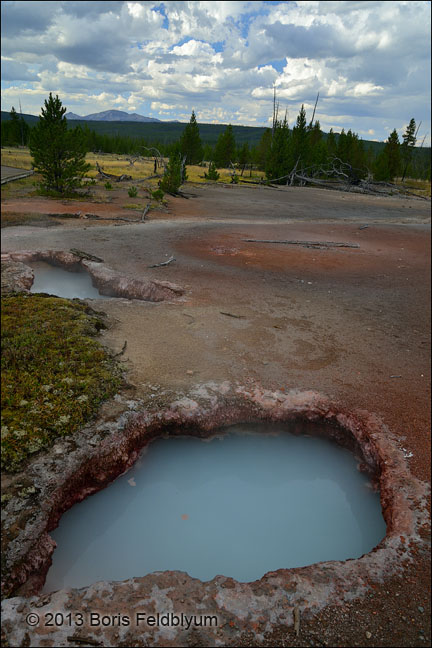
(240,505)
(63,283)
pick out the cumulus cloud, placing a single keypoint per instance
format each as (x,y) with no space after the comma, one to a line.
(16,71)
(368,60)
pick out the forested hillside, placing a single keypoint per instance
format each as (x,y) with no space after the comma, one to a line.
(274,150)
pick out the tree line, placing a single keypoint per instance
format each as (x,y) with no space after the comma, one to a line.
(303,147)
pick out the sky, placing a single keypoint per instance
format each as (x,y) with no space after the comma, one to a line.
(369,61)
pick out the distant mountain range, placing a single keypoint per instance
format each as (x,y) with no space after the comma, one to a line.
(112,115)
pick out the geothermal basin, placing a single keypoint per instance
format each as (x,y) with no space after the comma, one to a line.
(249,500)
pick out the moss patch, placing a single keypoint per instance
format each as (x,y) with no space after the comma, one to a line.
(54,373)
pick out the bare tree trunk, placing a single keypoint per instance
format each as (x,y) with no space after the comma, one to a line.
(182,169)
(313,114)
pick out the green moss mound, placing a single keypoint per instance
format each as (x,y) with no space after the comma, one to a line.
(55,374)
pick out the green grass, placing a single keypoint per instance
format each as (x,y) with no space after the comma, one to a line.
(54,376)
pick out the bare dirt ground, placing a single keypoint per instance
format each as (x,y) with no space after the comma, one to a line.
(350,323)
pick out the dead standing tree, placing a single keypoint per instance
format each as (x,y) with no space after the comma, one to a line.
(275,111)
(157,157)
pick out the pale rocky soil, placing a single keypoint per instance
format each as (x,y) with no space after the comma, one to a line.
(352,324)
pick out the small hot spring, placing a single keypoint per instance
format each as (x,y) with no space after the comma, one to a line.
(254,500)
(63,283)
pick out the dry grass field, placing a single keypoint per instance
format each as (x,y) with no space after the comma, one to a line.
(117,165)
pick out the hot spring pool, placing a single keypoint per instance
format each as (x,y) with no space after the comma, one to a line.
(63,283)
(254,500)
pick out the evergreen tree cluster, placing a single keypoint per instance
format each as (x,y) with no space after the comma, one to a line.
(15,131)
(281,149)
(304,148)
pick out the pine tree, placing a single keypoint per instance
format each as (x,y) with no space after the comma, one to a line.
(299,141)
(212,173)
(15,129)
(342,146)
(190,142)
(243,156)
(409,140)
(262,151)
(58,153)
(331,144)
(174,176)
(392,150)
(208,152)
(225,148)
(317,150)
(350,151)
(278,161)
(388,162)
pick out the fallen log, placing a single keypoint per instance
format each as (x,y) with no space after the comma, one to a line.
(374,188)
(255,182)
(312,244)
(323,183)
(116,355)
(152,177)
(164,263)
(411,193)
(112,176)
(119,218)
(232,315)
(262,183)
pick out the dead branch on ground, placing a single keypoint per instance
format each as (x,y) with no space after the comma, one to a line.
(310,244)
(160,265)
(116,355)
(232,315)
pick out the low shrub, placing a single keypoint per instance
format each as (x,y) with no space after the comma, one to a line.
(212,173)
